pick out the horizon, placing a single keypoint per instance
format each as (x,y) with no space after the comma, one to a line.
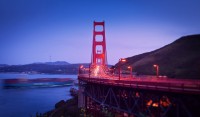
(44,31)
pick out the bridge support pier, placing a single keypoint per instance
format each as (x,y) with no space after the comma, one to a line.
(81,96)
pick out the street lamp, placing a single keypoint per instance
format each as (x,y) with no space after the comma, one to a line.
(89,70)
(157,69)
(131,68)
(84,70)
(80,67)
(120,61)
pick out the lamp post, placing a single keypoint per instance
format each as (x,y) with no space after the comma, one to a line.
(89,70)
(83,70)
(80,67)
(131,68)
(157,69)
(120,61)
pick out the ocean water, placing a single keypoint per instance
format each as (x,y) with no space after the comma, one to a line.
(26,102)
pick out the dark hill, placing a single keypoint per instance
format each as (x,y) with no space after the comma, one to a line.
(43,68)
(180,59)
(54,63)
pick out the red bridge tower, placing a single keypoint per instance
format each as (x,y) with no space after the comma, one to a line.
(99,56)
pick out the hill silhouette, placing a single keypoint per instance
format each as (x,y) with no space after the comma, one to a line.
(58,67)
(180,59)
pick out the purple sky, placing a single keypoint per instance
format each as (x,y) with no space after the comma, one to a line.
(33,30)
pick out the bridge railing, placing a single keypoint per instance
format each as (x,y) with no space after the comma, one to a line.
(143,82)
(101,71)
(148,84)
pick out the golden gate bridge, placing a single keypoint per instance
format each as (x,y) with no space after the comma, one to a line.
(107,89)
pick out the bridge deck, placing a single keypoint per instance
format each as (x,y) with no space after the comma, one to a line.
(150,83)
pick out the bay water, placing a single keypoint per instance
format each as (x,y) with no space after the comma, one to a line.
(26,102)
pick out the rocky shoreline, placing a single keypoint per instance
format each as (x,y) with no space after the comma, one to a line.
(69,108)
(63,108)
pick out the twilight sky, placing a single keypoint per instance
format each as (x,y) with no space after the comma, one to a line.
(33,30)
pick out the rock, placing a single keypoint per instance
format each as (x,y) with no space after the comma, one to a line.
(60,104)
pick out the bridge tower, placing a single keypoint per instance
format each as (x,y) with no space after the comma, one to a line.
(99,56)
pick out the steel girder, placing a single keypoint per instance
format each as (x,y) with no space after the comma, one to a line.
(143,103)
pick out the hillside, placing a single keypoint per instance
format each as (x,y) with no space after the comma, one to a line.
(180,59)
(59,67)
(54,63)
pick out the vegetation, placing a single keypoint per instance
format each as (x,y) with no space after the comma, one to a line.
(180,59)
(66,109)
